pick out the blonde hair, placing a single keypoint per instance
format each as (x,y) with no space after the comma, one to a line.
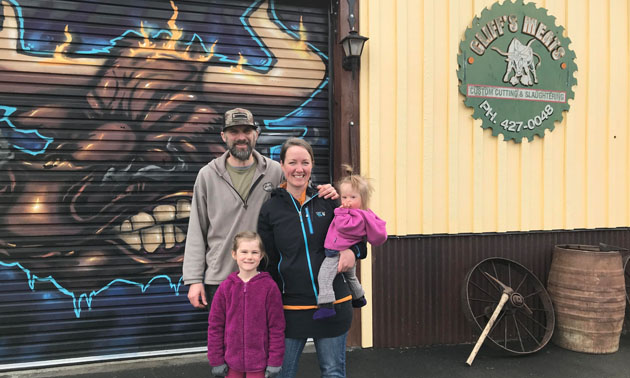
(248,235)
(357,182)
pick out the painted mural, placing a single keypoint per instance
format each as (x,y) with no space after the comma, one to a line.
(104,122)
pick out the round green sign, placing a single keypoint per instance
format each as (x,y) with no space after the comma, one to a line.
(516,70)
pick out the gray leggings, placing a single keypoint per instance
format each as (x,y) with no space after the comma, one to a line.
(327,273)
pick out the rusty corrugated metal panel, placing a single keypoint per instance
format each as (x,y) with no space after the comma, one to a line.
(417,280)
(107,112)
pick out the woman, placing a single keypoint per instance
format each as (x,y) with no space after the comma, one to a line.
(293,225)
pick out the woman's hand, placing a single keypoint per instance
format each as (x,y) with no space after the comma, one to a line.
(346,260)
(327,191)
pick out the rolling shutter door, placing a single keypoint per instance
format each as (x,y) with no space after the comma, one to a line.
(107,112)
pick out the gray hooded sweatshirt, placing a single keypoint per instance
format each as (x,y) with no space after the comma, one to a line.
(218,213)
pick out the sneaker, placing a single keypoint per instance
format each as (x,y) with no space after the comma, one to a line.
(359,302)
(324,313)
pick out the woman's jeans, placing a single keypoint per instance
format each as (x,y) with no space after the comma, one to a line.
(331,354)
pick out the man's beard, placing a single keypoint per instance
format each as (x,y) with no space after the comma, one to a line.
(241,154)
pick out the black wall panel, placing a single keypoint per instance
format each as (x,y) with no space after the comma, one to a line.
(417,280)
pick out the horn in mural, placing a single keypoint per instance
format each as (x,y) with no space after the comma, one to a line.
(282,79)
(108,132)
(13,62)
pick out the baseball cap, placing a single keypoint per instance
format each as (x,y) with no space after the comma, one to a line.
(239,117)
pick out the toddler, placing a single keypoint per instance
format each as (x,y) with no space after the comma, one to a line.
(353,223)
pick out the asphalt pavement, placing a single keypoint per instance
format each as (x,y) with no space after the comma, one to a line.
(435,362)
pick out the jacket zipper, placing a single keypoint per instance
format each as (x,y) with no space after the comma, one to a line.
(280,272)
(308,218)
(308,256)
(243,312)
(251,188)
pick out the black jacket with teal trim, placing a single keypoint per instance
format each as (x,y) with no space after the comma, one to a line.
(294,236)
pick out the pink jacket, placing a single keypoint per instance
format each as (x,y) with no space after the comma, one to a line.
(246,324)
(350,226)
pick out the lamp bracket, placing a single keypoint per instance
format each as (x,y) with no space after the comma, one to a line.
(351,17)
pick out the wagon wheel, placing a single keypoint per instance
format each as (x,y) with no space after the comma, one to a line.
(626,274)
(526,322)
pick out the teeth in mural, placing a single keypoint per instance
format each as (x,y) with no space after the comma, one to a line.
(180,236)
(150,231)
(183,209)
(129,229)
(163,214)
(169,235)
(142,220)
(151,238)
(131,238)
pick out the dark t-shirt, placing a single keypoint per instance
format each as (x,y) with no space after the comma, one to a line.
(241,178)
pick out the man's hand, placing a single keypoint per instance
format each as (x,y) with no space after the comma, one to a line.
(197,295)
(327,191)
(346,260)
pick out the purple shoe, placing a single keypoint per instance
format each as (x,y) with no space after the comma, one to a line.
(360,302)
(324,313)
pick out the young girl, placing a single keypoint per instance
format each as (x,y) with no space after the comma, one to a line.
(353,222)
(246,322)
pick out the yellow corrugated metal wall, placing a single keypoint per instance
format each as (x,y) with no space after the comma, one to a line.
(437,171)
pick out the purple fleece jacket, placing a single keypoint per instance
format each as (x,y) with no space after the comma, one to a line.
(350,226)
(246,324)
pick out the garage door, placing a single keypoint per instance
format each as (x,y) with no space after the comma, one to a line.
(107,111)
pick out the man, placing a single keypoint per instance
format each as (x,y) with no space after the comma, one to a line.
(227,197)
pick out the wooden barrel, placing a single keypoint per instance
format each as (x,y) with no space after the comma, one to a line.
(587,289)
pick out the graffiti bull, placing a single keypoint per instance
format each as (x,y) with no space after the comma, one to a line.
(520,63)
(110,194)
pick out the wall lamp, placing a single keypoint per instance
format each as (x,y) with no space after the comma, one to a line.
(352,43)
